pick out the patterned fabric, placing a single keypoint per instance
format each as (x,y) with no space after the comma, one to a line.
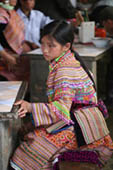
(92,124)
(14,36)
(4,17)
(103,108)
(92,116)
(42,149)
(14,31)
(67,82)
(100,104)
(79,156)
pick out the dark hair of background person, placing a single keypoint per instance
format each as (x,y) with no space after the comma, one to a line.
(63,33)
(56,9)
(106,13)
(17,5)
(95,15)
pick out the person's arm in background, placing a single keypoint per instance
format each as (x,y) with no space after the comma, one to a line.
(70,12)
(89,4)
(29,46)
(4,55)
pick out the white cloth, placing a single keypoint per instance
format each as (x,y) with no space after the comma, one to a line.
(33,24)
(104,2)
(74,3)
(1,48)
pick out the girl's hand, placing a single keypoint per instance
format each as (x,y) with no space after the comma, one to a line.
(25,107)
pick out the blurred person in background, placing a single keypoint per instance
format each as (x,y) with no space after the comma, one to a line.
(57,9)
(106,19)
(34,20)
(12,44)
(98,7)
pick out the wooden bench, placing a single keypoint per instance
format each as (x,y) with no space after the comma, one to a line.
(67,165)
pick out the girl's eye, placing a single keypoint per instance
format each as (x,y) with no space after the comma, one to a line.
(47,45)
(51,45)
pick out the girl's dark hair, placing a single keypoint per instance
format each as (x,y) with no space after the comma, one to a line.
(84,67)
(60,30)
(63,33)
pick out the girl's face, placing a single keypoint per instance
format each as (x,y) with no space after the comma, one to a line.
(51,48)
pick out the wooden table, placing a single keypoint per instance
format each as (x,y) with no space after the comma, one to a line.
(9,122)
(38,76)
(90,54)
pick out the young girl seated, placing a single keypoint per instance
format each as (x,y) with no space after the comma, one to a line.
(68,83)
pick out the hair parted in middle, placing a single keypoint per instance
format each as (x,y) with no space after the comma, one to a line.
(60,30)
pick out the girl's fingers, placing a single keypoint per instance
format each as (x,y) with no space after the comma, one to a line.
(18,102)
(22,110)
(22,115)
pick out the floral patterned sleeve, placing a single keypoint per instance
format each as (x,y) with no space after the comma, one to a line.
(66,83)
(60,100)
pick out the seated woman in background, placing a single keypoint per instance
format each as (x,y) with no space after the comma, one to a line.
(12,44)
(68,82)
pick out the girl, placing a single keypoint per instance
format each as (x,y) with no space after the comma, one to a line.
(67,83)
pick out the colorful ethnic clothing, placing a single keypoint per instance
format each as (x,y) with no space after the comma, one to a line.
(67,82)
(14,29)
(12,39)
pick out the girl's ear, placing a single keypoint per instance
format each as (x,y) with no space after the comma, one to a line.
(67,46)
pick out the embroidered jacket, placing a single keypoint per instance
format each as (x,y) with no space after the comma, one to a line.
(67,81)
